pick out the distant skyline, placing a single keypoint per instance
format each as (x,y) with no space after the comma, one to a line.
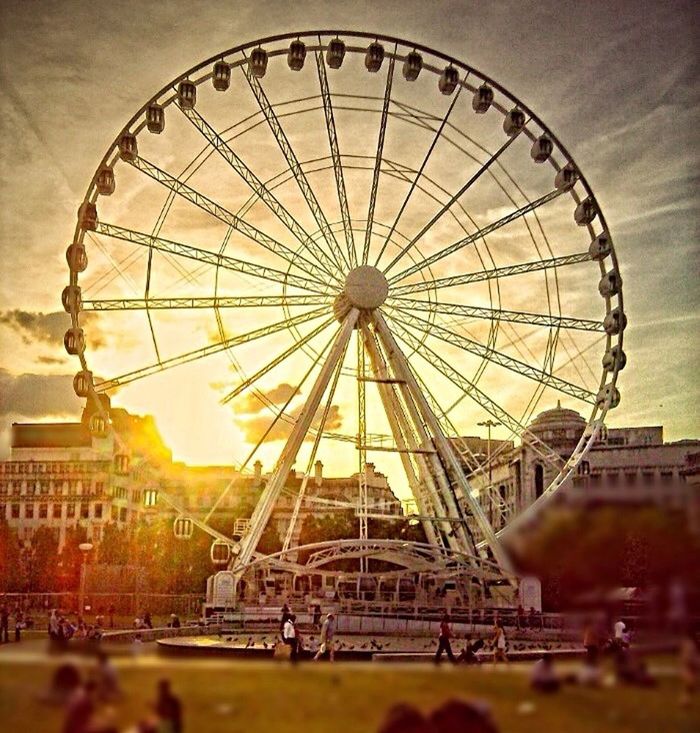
(604,76)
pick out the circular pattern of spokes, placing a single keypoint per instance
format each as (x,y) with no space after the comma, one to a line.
(360,236)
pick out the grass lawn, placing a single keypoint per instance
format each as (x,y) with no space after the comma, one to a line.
(262,697)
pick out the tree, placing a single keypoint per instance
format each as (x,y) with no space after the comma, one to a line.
(41,561)
(10,559)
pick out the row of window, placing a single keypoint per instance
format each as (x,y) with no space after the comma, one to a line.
(42,511)
(61,467)
(51,487)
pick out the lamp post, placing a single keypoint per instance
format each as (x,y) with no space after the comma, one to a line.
(489,424)
(85,548)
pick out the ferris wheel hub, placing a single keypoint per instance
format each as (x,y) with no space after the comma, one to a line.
(366,287)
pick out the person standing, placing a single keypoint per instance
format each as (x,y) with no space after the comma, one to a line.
(286,613)
(289,636)
(4,625)
(499,643)
(444,641)
(317,616)
(147,622)
(168,709)
(327,638)
(591,642)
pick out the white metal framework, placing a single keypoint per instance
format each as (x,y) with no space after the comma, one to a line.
(326,184)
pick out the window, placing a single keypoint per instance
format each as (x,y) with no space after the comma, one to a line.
(122,514)
(115,513)
(70,510)
(584,468)
(43,511)
(98,511)
(100,487)
(539,480)
(29,511)
(15,511)
(97,533)
(84,511)
(56,511)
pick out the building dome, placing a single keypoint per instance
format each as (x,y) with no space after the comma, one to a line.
(558,424)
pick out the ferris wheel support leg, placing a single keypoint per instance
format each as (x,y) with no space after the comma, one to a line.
(274,486)
(441,443)
(441,494)
(402,434)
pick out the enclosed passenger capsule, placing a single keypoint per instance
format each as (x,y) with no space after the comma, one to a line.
(513,122)
(374,57)
(608,393)
(610,284)
(482,99)
(71,298)
(220,553)
(128,147)
(335,53)
(566,177)
(74,341)
(615,322)
(614,358)
(448,80)
(87,215)
(600,247)
(98,425)
(155,118)
(81,383)
(296,55)
(76,257)
(412,65)
(541,149)
(183,528)
(105,182)
(186,94)
(221,76)
(585,212)
(257,64)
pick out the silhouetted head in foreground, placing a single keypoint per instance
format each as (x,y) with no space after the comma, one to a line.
(456,716)
(406,719)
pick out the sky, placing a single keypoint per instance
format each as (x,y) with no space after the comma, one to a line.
(616,81)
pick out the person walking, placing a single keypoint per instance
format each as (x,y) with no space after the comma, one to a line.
(327,638)
(444,641)
(317,616)
(289,636)
(499,643)
(286,613)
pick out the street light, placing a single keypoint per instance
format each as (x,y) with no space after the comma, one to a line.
(489,424)
(85,548)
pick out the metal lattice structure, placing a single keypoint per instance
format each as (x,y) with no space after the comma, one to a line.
(310,192)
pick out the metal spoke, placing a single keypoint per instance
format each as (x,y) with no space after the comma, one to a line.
(419,173)
(362,437)
(208,350)
(245,301)
(293,349)
(378,159)
(281,414)
(473,392)
(219,212)
(496,357)
(492,274)
(498,314)
(266,196)
(445,207)
(335,154)
(471,238)
(295,167)
(211,258)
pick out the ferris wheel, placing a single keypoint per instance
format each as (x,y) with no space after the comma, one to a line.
(382,231)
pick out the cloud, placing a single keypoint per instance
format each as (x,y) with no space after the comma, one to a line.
(251,404)
(49,328)
(254,428)
(50,360)
(38,395)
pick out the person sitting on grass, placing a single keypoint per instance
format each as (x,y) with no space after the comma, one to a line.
(543,677)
